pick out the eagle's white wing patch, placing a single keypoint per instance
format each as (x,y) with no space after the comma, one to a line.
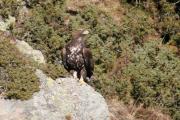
(75,49)
(74,53)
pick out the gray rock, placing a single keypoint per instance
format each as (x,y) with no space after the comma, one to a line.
(28,51)
(62,99)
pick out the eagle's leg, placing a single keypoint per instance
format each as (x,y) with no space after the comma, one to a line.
(81,81)
(75,75)
(82,76)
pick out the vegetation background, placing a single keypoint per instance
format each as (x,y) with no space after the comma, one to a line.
(135,44)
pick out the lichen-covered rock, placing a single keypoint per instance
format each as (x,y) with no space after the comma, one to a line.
(62,99)
(28,51)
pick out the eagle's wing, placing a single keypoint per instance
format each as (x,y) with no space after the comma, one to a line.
(64,58)
(88,61)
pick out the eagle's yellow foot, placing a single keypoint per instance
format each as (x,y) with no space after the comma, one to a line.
(81,81)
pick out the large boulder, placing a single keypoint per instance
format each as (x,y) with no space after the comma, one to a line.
(61,99)
(29,52)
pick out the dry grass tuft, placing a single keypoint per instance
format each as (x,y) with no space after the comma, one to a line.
(120,111)
(111,7)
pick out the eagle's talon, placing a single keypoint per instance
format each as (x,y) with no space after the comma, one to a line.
(81,82)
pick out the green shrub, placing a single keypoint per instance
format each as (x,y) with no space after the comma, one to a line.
(44,28)
(166,18)
(54,71)
(19,81)
(9,7)
(154,74)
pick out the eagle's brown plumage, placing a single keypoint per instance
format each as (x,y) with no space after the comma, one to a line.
(77,57)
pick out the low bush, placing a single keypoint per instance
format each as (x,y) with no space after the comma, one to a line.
(154,76)
(17,75)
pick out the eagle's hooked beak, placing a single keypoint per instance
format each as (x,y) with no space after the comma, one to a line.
(85,32)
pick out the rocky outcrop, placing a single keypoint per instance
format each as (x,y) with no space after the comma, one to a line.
(28,51)
(61,99)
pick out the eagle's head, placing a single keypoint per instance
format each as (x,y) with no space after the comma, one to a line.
(80,34)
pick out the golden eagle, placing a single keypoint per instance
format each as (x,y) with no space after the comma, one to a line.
(77,57)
